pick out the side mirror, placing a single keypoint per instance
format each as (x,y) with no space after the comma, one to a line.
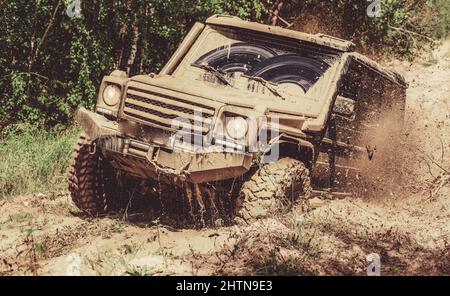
(344,106)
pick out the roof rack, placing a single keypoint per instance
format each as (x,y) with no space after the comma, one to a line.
(320,39)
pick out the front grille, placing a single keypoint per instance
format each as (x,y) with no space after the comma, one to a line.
(168,112)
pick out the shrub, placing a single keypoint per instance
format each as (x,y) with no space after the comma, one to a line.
(34,160)
(50,64)
(401,29)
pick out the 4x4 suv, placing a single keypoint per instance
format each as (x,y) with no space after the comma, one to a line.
(238,122)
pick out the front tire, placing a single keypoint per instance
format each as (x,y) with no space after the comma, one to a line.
(85,180)
(95,185)
(272,189)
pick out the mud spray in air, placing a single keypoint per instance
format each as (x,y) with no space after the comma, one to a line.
(407,223)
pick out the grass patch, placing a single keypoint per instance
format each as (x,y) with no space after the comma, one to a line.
(20,217)
(34,159)
(137,271)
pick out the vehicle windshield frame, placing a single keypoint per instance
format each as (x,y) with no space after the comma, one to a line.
(280,43)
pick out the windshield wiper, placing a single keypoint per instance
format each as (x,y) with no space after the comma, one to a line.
(218,73)
(267,85)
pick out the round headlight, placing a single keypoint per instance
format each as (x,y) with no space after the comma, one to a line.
(237,127)
(111,95)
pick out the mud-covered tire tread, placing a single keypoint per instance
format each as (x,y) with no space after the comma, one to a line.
(85,178)
(270,187)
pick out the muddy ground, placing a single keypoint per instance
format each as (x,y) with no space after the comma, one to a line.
(408,226)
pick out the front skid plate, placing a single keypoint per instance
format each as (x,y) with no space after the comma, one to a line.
(150,161)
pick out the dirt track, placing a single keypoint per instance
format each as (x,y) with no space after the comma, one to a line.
(409,229)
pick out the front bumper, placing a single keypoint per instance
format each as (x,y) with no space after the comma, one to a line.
(150,155)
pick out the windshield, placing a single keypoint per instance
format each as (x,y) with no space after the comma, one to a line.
(227,55)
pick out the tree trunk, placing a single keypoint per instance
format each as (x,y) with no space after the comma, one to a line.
(121,48)
(43,38)
(274,11)
(134,47)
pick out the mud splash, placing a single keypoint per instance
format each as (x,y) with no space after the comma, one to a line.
(409,230)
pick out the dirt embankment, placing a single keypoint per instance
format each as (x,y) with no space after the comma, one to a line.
(409,229)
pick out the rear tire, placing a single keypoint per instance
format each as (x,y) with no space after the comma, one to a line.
(272,189)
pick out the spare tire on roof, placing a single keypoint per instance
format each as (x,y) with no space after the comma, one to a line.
(290,68)
(237,57)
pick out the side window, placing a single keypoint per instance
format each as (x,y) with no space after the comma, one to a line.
(357,107)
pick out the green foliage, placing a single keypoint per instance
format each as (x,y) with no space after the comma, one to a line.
(137,271)
(441,20)
(50,64)
(402,28)
(33,160)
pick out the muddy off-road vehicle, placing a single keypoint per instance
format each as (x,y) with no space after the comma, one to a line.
(241,123)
